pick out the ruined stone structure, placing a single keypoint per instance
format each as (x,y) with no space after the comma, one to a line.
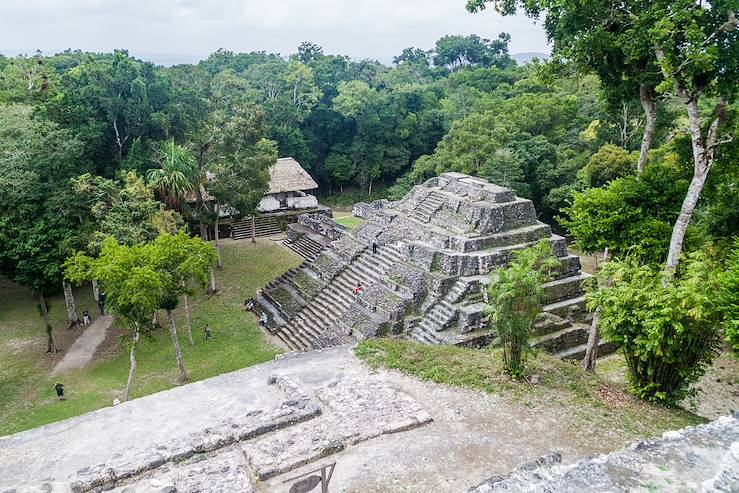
(436,250)
(701,458)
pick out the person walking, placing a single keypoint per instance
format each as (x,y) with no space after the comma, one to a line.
(207,332)
(101,302)
(86,318)
(374,246)
(59,391)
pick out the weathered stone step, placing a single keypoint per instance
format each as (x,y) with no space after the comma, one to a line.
(578,352)
(574,335)
(561,289)
(564,307)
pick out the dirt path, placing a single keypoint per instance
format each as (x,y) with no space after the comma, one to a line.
(85,346)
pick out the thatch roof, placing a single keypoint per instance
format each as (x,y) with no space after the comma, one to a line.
(286,175)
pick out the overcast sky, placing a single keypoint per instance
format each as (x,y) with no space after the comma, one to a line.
(170,31)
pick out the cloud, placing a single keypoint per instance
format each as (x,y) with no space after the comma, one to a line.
(194,28)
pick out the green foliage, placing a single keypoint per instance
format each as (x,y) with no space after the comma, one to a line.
(143,277)
(729,296)
(127,211)
(177,176)
(516,295)
(39,227)
(609,163)
(456,52)
(668,332)
(631,216)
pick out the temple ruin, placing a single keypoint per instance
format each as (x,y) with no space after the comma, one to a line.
(436,250)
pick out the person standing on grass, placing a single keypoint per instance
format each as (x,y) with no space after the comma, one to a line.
(207,332)
(59,391)
(374,246)
(86,318)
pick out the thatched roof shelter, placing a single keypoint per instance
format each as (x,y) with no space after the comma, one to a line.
(286,175)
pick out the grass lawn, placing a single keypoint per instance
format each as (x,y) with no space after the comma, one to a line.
(350,222)
(27,398)
(586,401)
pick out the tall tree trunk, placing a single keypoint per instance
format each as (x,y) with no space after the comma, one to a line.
(50,347)
(646,96)
(132,371)
(703,156)
(591,353)
(71,307)
(187,317)
(155,319)
(177,350)
(253,230)
(95,290)
(212,282)
(369,189)
(217,238)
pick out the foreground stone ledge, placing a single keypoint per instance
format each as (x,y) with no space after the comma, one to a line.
(224,473)
(701,458)
(125,466)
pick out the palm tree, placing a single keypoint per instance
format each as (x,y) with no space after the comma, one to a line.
(178,175)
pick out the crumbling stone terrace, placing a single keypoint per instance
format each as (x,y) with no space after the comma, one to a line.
(436,250)
(254,429)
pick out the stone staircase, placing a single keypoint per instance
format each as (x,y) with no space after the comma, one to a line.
(305,246)
(427,207)
(263,226)
(439,315)
(327,306)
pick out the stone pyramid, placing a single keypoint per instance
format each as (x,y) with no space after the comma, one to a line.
(436,250)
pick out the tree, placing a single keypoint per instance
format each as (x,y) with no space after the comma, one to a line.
(133,289)
(516,294)
(142,278)
(694,45)
(177,176)
(609,163)
(125,210)
(457,52)
(629,216)
(241,175)
(668,333)
(38,225)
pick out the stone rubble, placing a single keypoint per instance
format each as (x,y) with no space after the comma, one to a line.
(224,473)
(702,458)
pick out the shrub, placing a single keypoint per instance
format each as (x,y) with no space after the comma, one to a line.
(515,299)
(729,299)
(668,333)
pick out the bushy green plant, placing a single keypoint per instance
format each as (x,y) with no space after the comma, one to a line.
(631,216)
(668,333)
(729,299)
(515,299)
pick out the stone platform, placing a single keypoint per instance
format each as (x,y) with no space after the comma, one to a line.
(254,429)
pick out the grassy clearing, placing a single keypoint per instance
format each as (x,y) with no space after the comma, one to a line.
(587,401)
(350,222)
(26,393)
